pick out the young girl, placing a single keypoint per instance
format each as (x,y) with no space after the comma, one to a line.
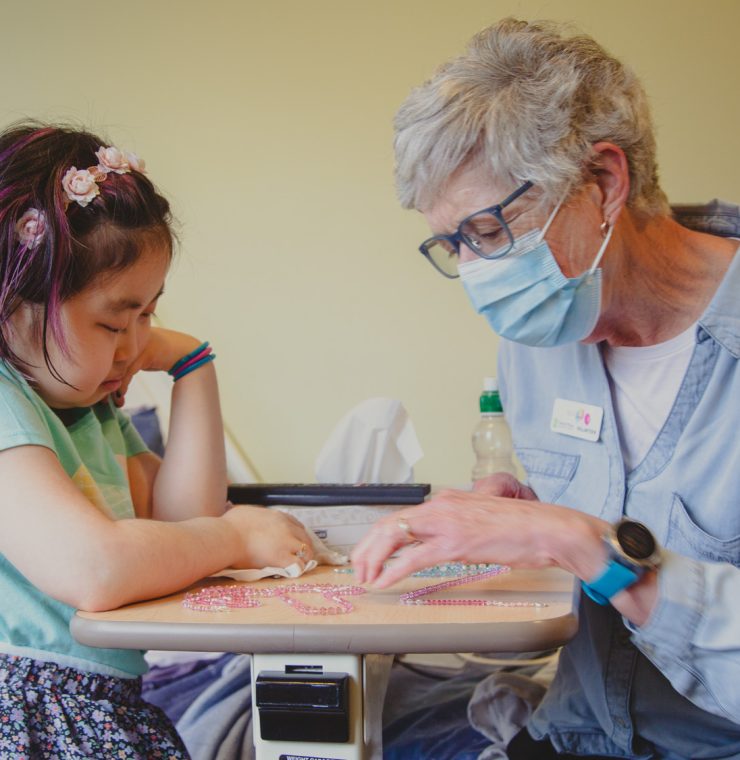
(85,245)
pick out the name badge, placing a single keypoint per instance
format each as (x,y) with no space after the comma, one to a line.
(576,419)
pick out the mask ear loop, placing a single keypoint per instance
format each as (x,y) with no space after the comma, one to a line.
(607,237)
(550,219)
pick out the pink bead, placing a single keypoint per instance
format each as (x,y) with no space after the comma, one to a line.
(223,598)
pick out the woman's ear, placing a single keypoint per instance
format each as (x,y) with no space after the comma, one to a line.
(611,174)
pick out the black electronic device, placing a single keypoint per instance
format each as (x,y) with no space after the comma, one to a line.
(303,704)
(327,494)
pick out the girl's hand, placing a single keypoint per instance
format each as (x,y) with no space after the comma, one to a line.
(162,349)
(268,537)
(476,527)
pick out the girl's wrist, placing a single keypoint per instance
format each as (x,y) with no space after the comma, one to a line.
(233,537)
(191,361)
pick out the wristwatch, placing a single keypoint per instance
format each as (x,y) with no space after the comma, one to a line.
(632,550)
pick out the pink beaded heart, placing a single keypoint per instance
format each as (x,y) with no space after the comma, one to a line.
(240,596)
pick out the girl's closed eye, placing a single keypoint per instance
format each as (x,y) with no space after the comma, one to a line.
(112,329)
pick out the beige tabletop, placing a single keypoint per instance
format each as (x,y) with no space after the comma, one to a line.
(378,624)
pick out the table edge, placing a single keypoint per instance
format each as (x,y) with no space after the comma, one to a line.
(385,638)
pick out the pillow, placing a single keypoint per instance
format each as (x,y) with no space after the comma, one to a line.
(146,421)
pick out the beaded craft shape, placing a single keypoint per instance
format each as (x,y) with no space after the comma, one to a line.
(443,570)
(241,596)
(416,596)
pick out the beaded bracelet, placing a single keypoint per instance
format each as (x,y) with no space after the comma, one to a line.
(414,597)
(197,358)
(444,570)
(240,596)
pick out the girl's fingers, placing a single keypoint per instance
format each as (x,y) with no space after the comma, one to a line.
(304,552)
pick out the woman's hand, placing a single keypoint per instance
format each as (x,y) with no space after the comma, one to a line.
(268,537)
(504,484)
(476,527)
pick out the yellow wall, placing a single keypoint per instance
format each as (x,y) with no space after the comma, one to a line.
(268,124)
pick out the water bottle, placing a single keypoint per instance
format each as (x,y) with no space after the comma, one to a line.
(494,451)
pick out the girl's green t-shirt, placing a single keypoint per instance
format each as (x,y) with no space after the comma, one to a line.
(93,450)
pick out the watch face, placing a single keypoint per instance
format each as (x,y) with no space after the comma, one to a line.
(635,539)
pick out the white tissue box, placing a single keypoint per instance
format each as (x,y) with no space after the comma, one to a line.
(340,527)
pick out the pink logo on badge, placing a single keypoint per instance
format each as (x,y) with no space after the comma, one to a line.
(583,416)
(577,419)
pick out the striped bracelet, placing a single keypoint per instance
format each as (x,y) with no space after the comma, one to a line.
(197,358)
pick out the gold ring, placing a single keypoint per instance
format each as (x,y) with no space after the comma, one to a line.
(301,553)
(403,524)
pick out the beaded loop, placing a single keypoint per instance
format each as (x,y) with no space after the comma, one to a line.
(244,596)
(224,598)
(444,570)
(414,597)
(455,569)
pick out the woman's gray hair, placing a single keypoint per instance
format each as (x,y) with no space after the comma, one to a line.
(530,100)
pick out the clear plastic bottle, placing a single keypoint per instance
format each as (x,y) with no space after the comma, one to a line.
(492,444)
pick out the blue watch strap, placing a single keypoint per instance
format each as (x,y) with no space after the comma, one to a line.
(615,578)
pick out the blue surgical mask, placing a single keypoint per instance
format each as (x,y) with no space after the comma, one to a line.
(527,299)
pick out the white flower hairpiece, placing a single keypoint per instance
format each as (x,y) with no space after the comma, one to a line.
(136,163)
(112,160)
(81,185)
(31,228)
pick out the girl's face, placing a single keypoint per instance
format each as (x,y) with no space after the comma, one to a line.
(106,326)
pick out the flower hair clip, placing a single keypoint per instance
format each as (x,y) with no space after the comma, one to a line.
(114,160)
(31,228)
(81,185)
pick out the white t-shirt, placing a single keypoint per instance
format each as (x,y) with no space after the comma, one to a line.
(644,382)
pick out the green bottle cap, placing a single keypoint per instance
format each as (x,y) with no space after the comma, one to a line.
(490,401)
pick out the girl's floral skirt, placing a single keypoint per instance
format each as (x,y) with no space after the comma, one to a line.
(57,713)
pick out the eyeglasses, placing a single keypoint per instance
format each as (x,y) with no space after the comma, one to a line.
(485,233)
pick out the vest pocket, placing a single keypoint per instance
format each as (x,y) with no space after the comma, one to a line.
(549,473)
(686,537)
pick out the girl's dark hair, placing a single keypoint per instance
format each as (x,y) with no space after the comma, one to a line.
(79,243)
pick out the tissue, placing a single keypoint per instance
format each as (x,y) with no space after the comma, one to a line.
(373,443)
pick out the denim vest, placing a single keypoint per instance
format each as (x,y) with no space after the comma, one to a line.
(670,689)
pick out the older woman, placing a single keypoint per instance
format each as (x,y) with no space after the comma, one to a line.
(533,159)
